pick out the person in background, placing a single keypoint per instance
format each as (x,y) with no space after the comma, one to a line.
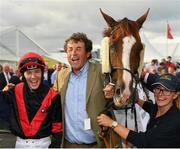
(163,129)
(54,74)
(163,61)
(168,61)
(172,68)
(178,69)
(5,76)
(58,83)
(11,70)
(1,68)
(63,66)
(36,115)
(82,97)
(5,108)
(162,70)
(47,75)
(153,66)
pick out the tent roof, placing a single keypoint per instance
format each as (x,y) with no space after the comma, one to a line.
(14,43)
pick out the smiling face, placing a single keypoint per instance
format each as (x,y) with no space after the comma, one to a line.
(33,78)
(164,97)
(77,55)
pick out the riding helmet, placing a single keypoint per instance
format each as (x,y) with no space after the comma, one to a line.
(29,61)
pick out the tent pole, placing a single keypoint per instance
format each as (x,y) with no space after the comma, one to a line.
(167,39)
(17,42)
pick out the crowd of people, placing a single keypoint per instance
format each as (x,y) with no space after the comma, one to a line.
(61,107)
(164,66)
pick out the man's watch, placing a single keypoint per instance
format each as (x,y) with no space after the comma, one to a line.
(114,124)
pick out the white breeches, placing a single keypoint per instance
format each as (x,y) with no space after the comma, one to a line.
(33,143)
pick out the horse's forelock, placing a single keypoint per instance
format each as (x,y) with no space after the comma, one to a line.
(107,32)
(125,27)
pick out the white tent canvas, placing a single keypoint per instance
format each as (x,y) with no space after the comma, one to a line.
(152,52)
(14,43)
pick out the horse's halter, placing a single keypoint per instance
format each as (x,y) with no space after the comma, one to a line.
(124,76)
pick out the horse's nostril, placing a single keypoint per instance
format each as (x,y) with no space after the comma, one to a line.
(118,91)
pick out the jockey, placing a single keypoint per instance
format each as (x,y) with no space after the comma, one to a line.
(36,117)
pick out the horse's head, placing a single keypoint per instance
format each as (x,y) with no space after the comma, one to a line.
(125,50)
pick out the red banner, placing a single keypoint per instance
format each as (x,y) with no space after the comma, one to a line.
(169,34)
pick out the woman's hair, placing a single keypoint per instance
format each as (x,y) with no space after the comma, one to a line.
(177,101)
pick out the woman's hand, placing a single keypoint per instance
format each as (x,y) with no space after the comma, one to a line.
(104,120)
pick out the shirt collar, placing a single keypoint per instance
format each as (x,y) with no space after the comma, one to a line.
(83,70)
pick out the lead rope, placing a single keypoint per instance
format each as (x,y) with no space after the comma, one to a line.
(133,108)
(126,109)
(111,136)
(134,99)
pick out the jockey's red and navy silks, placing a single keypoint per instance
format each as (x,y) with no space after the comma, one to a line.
(56,126)
(28,128)
(35,104)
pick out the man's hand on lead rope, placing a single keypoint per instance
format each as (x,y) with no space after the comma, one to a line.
(109,91)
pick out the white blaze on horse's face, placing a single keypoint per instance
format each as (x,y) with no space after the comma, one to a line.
(128,43)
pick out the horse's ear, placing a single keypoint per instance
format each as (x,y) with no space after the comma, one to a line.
(141,20)
(109,20)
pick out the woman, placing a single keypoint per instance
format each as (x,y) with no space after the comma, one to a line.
(163,129)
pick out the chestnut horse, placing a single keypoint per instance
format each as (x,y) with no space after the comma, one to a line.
(122,61)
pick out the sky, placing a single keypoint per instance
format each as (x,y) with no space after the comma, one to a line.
(50,22)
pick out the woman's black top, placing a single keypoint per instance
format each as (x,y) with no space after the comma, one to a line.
(163,131)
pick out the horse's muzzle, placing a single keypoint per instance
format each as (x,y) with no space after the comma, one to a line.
(118,98)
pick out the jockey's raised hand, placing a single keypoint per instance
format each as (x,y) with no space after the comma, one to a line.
(8,87)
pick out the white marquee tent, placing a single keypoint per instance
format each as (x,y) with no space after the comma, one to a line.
(152,52)
(15,43)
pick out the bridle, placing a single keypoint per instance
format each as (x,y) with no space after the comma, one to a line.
(134,95)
